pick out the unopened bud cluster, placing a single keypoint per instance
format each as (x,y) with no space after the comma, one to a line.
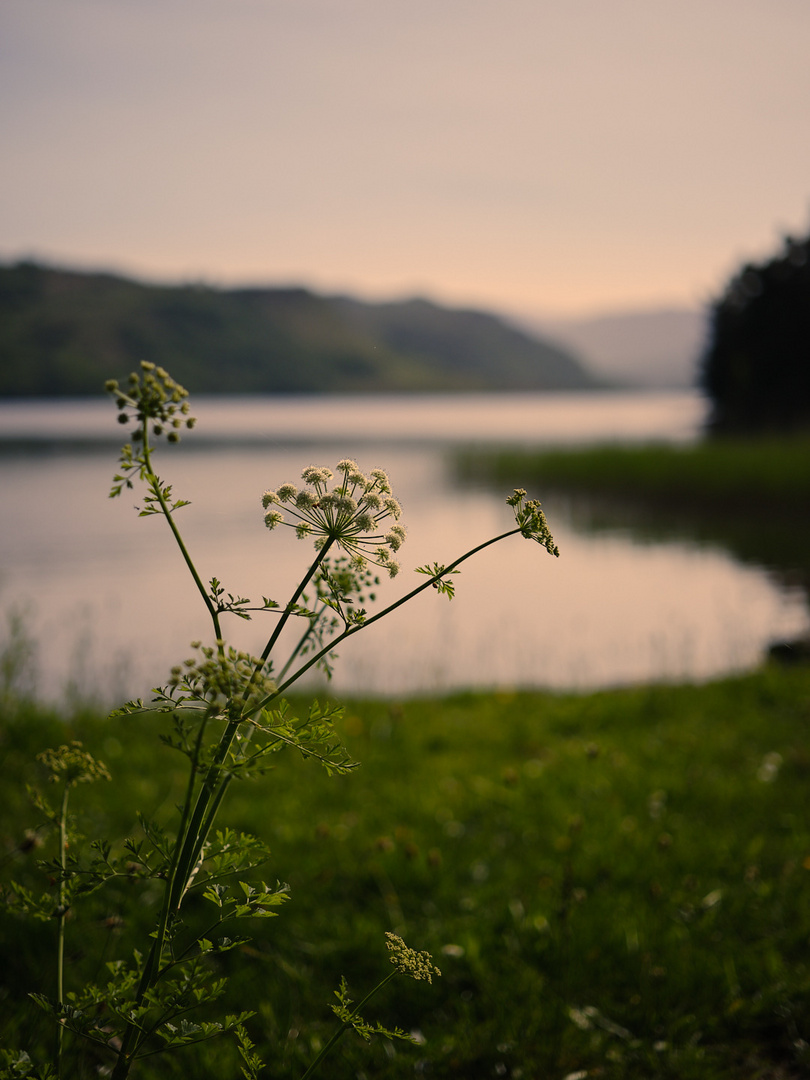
(352,514)
(221,677)
(417,965)
(152,395)
(72,763)
(532,521)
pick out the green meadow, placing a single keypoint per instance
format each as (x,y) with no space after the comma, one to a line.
(615,884)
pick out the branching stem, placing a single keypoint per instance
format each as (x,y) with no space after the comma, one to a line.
(356,628)
(345,1025)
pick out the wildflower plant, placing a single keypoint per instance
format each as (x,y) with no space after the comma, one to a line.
(227,716)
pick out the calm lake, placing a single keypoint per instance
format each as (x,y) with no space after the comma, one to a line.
(107,598)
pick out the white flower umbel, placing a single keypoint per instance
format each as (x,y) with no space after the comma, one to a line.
(356,514)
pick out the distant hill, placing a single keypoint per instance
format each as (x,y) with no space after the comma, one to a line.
(63,332)
(655,348)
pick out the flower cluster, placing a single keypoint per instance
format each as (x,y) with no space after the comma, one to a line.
(417,965)
(219,677)
(72,763)
(352,515)
(532,521)
(154,396)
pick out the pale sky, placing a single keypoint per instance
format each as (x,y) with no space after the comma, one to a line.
(550,158)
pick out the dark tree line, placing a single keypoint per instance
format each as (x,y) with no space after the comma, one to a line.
(756,369)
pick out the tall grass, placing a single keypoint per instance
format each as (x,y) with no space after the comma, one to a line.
(752,496)
(767,474)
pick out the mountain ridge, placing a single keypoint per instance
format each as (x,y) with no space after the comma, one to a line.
(64,332)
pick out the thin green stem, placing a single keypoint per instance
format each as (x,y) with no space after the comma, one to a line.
(207,825)
(192,843)
(183,957)
(296,597)
(301,642)
(345,1025)
(283,620)
(61,919)
(154,483)
(151,971)
(375,618)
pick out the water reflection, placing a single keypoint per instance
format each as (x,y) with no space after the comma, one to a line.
(777,542)
(112,606)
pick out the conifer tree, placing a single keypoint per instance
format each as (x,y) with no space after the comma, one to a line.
(756,369)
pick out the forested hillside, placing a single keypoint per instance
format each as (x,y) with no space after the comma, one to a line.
(63,332)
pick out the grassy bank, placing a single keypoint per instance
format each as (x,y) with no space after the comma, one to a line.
(754,476)
(615,884)
(750,496)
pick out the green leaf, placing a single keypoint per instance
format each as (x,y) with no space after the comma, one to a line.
(441,585)
(215,894)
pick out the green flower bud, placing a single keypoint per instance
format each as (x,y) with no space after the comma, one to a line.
(417,965)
